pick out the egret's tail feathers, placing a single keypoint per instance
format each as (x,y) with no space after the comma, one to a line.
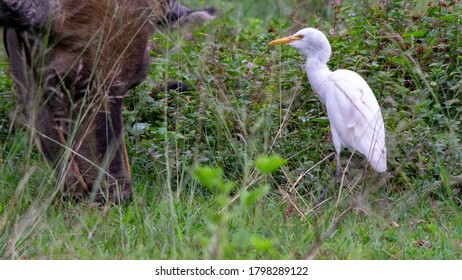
(374,140)
(379,161)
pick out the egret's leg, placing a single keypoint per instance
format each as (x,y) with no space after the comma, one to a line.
(363,178)
(338,169)
(338,149)
(323,195)
(365,168)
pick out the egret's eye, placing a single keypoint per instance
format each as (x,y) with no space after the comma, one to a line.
(300,36)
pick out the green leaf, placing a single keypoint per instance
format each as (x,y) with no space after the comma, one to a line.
(213,222)
(249,198)
(449,17)
(267,165)
(320,120)
(208,176)
(417,34)
(261,243)
(226,188)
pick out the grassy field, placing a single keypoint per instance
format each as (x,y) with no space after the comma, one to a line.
(207,183)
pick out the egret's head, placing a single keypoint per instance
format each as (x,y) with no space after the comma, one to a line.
(309,41)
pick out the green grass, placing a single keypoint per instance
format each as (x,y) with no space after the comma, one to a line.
(231,117)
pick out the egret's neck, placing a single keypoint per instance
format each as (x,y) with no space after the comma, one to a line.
(317,72)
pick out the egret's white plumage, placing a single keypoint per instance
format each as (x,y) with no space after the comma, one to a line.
(354,113)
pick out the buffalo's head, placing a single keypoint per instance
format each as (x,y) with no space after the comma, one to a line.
(73,62)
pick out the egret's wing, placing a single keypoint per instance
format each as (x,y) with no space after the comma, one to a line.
(355,114)
(352,97)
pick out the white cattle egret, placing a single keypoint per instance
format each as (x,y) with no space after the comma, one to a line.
(354,113)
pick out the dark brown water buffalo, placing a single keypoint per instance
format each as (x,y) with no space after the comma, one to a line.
(73,62)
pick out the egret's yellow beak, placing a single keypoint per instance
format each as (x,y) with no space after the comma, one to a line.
(284,40)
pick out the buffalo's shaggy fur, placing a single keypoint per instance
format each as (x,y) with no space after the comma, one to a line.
(73,62)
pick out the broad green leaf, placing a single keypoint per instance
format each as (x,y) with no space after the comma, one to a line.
(208,176)
(250,197)
(267,165)
(450,17)
(416,34)
(261,243)
(226,187)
